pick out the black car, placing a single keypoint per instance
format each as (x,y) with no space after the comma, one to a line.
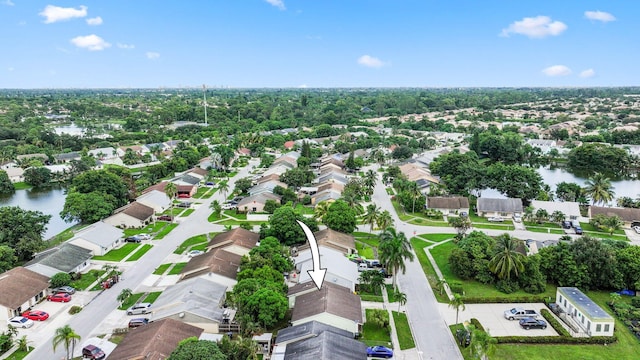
(464,337)
(133,239)
(185,204)
(566,224)
(531,323)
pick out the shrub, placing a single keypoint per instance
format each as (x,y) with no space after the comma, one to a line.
(635,302)
(75,309)
(497,299)
(60,279)
(456,287)
(477,324)
(507,286)
(555,324)
(306,200)
(602,340)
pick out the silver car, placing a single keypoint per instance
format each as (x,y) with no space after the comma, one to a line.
(140,308)
(20,322)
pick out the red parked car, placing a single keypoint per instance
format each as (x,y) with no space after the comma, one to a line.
(59,297)
(184,196)
(37,315)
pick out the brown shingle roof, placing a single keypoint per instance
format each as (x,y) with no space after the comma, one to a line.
(455,202)
(159,186)
(198,171)
(332,299)
(268,178)
(237,236)
(184,188)
(154,341)
(216,261)
(335,240)
(18,285)
(330,185)
(626,214)
(139,211)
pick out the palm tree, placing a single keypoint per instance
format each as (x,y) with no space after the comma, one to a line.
(613,223)
(393,250)
(457,303)
(23,343)
(124,295)
(370,178)
(67,336)
(224,188)
(353,201)
(371,216)
(506,260)
(557,216)
(321,209)
(482,344)
(171,190)
(384,220)
(215,206)
(599,189)
(441,285)
(414,191)
(402,299)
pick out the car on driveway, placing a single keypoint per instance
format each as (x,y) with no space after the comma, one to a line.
(578,230)
(93,352)
(20,322)
(64,289)
(228,206)
(185,204)
(193,253)
(636,229)
(531,323)
(59,297)
(379,352)
(134,323)
(37,315)
(140,308)
(144,236)
(495,219)
(566,224)
(164,218)
(133,239)
(184,196)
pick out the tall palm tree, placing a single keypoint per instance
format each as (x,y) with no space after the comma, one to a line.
(599,189)
(457,303)
(124,295)
(402,299)
(371,216)
(67,336)
(321,209)
(216,207)
(353,201)
(224,188)
(482,344)
(384,220)
(507,260)
(370,178)
(393,250)
(414,190)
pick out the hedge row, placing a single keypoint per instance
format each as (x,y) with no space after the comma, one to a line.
(477,324)
(601,340)
(502,300)
(555,324)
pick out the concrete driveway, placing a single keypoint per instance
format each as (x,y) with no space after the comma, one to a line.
(491,316)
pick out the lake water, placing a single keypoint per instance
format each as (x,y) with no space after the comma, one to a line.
(553,176)
(49,202)
(71,129)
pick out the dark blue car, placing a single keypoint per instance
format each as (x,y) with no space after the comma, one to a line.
(380,352)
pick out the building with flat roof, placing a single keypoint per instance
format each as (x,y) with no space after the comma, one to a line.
(589,316)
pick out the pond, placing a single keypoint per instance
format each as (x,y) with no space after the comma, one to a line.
(47,201)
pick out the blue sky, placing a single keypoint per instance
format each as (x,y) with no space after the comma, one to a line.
(318,43)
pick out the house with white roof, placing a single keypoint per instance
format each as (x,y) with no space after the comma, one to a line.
(570,209)
(105,153)
(99,237)
(155,199)
(340,270)
(545,146)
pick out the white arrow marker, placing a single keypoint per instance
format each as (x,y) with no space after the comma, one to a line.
(317,274)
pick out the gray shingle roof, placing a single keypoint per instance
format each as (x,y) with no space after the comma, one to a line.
(65,258)
(332,299)
(454,202)
(198,296)
(327,346)
(499,205)
(584,303)
(306,330)
(100,233)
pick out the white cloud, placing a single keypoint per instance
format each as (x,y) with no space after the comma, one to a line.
(10,68)
(125,46)
(90,42)
(370,61)
(535,27)
(303,86)
(587,73)
(55,13)
(8,3)
(599,15)
(152,55)
(95,21)
(557,70)
(277,3)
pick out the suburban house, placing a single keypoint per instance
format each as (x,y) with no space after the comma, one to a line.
(630,216)
(154,341)
(332,305)
(266,187)
(315,340)
(188,190)
(219,264)
(256,203)
(27,157)
(122,150)
(99,238)
(449,206)
(187,179)
(340,270)
(67,157)
(326,195)
(581,310)
(499,207)
(415,172)
(545,146)
(570,209)
(272,177)
(336,240)
(66,258)
(333,177)
(15,174)
(289,144)
(20,289)
(276,169)
(238,240)
(133,215)
(197,301)
(103,153)
(157,200)
(6,164)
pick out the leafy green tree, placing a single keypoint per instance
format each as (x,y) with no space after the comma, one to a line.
(371,216)
(531,279)
(541,216)
(104,182)
(22,230)
(8,258)
(629,265)
(461,173)
(297,177)
(6,186)
(87,208)
(68,337)
(37,176)
(613,223)
(457,302)
(385,220)
(194,349)
(598,157)
(515,181)
(507,260)
(557,216)
(402,152)
(243,185)
(482,344)
(461,224)
(283,226)
(240,348)
(267,306)
(340,217)
(394,250)
(599,189)
(270,252)
(568,191)
(351,161)
(124,295)
(216,207)
(60,279)
(270,206)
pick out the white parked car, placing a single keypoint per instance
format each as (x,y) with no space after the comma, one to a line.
(20,322)
(636,229)
(517,218)
(495,219)
(144,236)
(228,206)
(193,253)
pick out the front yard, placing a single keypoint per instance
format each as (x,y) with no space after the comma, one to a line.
(118,254)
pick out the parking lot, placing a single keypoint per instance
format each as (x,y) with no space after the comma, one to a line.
(491,316)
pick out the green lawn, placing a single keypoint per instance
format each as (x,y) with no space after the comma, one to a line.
(602,235)
(304,209)
(130,301)
(21,186)
(589,227)
(545,230)
(195,240)
(493,226)
(418,247)
(19,355)
(177,268)
(165,230)
(374,335)
(149,229)
(87,279)
(187,212)
(390,191)
(427,222)
(233,214)
(200,193)
(371,240)
(437,237)
(138,254)
(405,338)
(152,296)
(391,294)
(364,250)
(118,254)
(161,269)
(64,236)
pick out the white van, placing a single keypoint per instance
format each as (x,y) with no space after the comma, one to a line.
(363,266)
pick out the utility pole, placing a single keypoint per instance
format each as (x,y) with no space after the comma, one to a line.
(204,96)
